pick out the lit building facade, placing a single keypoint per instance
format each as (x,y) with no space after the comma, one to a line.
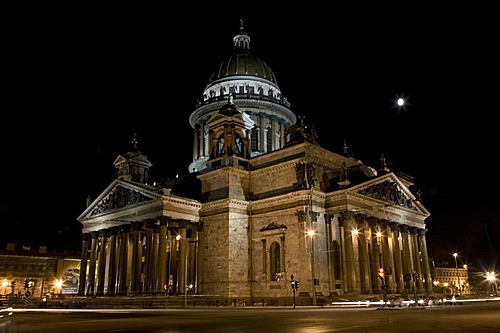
(453,279)
(262,201)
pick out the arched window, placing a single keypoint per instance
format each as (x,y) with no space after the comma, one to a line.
(275,260)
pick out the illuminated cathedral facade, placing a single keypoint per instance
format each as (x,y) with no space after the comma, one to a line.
(262,201)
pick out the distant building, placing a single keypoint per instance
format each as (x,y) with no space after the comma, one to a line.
(262,204)
(40,267)
(454,280)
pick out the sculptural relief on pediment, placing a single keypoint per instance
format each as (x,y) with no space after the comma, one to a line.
(118,198)
(389,192)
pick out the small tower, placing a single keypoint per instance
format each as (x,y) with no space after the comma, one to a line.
(229,131)
(133,165)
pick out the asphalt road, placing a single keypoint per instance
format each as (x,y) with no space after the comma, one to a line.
(470,317)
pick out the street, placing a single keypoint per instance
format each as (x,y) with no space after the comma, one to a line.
(470,317)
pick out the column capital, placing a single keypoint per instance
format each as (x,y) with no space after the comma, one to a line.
(372,221)
(113,231)
(385,223)
(395,226)
(150,223)
(183,224)
(413,230)
(422,232)
(199,227)
(136,226)
(301,215)
(164,220)
(125,228)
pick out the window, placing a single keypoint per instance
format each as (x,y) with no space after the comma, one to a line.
(275,260)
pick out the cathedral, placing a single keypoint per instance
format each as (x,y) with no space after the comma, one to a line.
(263,210)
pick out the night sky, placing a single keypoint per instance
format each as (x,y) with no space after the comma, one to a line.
(78,86)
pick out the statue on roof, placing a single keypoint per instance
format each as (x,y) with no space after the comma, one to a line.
(301,132)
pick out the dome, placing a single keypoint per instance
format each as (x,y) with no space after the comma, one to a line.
(242,62)
(252,89)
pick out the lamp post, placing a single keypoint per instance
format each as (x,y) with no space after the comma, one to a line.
(455,255)
(490,276)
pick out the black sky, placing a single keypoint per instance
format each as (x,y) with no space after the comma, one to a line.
(79,85)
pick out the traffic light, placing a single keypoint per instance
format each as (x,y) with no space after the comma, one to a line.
(25,284)
(31,283)
(381,273)
(293,283)
(296,284)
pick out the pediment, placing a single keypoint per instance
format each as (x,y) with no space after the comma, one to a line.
(118,196)
(390,190)
(241,118)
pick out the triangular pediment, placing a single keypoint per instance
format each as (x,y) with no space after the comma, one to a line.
(390,190)
(240,118)
(120,195)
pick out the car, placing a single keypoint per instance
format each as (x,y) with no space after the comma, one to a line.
(72,274)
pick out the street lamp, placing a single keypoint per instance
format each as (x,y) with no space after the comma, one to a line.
(5,284)
(490,276)
(455,255)
(58,284)
(436,285)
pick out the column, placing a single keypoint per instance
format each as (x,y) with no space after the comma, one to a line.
(112,263)
(197,143)
(156,287)
(398,260)
(417,268)
(262,134)
(273,134)
(199,259)
(388,256)
(148,256)
(174,260)
(349,271)
(123,260)
(364,270)
(329,251)
(375,253)
(162,255)
(83,264)
(196,249)
(425,261)
(92,263)
(407,264)
(135,277)
(101,260)
(183,243)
